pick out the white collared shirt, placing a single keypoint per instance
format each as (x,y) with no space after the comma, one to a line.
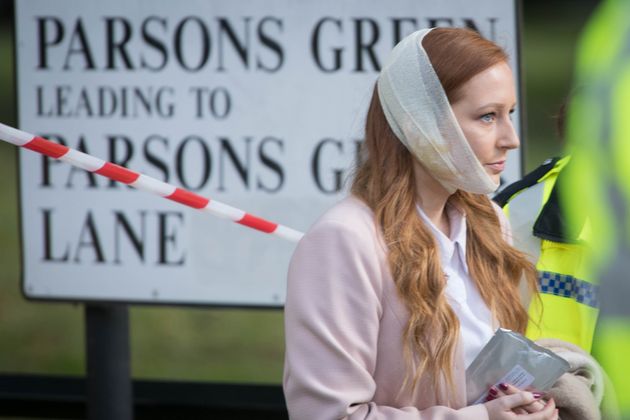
(475,318)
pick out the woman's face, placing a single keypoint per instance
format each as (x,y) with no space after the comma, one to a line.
(483,106)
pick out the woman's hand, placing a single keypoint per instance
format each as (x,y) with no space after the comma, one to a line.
(507,389)
(502,407)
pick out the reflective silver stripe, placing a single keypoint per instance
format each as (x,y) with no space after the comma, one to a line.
(523,212)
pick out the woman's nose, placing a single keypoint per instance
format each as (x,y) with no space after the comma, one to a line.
(508,137)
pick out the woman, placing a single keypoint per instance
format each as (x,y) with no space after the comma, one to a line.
(394,291)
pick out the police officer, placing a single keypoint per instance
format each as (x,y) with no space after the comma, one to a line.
(568,304)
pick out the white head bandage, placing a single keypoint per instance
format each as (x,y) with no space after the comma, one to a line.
(418,112)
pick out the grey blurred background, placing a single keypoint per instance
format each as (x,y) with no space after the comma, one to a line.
(234,345)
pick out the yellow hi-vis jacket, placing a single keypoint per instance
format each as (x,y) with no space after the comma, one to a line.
(598,179)
(568,305)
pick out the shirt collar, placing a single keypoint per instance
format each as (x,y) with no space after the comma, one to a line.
(456,242)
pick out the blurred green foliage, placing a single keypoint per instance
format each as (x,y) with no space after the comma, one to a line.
(228,344)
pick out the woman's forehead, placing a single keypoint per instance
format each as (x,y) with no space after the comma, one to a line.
(495,85)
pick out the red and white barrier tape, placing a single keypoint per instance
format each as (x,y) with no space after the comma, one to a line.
(143,182)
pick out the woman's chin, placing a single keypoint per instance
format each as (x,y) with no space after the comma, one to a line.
(495,177)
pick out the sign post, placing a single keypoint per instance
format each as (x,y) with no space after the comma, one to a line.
(109,390)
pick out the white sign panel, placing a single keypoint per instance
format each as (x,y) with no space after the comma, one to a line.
(255,104)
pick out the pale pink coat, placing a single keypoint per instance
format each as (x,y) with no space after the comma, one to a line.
(344,324)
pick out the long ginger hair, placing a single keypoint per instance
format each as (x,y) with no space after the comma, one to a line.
(384,180)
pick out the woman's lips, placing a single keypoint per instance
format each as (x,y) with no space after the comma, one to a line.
(496,167)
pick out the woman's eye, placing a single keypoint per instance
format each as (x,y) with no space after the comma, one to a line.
(489,117)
